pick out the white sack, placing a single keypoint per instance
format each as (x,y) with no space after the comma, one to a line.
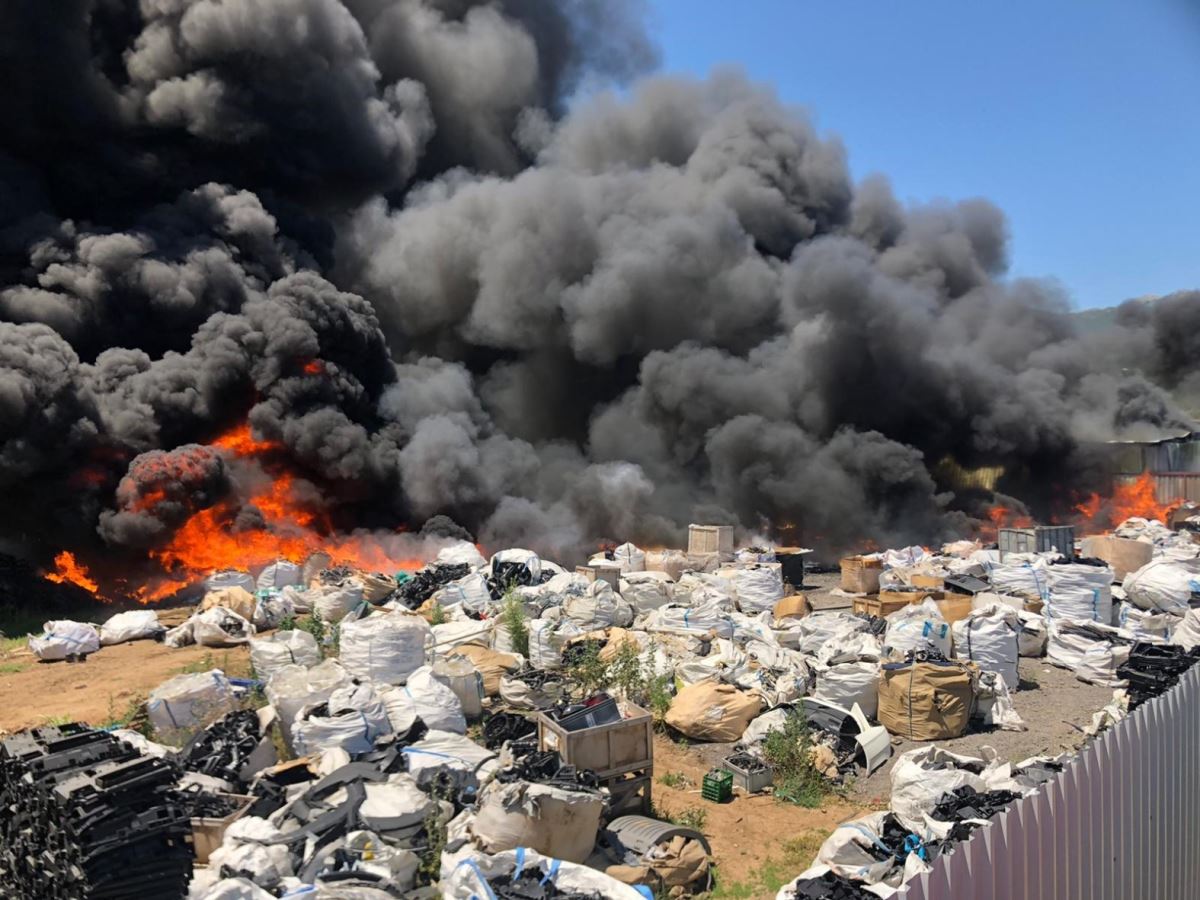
(271,653)
(1080,592)
(848,683)
(462,553)
(437,705)
(334,603)
(278,575)
(694,621)
(62,638)
(352,718)
(443,751)
(629,558)
(469,871)
(1144,624)
(179,636)
(920,777)
(1033,634)
(1088,649)
(548,819)
(449,635)
(547,640)
(645,591)
(219,581)
(1163,584)
(599,608)
(291,688)
(758,588)
(245,850)
(1186,634)
(385,647)
(135,625)
(219,627)
(918,626)
(186,702)
(990,637)
(819,628)
(851,851)
(469,593)
(527,558)
(670,562)
(1028,579)
(271,608)
(235,889)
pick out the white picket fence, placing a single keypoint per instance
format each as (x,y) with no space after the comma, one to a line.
(1120,822)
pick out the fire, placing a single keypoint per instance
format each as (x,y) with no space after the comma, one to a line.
(242,442)
(1135,499)
(313,367)
(1000,516)
(68,571)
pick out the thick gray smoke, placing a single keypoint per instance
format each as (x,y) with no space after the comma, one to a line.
(376,231)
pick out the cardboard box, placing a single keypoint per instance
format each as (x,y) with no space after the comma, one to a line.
(1122,554)
(861,575)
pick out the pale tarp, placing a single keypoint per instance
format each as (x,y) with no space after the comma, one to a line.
(1080,592)
(352,718)
(990,638)
(279,575)
(1163,584)
(466,875)
(134,625)
(385,648)
(61,638)
(291,688)
(1091,650)
(271,653)
(645,591)
(918,626)
(549,819)
(186,702)
(461,553)
(709,711)
(221,627)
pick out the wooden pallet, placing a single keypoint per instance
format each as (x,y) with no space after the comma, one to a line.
(630,793)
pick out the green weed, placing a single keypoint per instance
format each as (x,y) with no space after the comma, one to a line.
(513,621)
(675,780)
(796,780)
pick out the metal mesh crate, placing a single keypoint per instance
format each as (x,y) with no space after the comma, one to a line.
(1038,539)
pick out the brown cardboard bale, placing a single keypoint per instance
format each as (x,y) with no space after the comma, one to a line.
(931,582)
(1122,554)
(861,575)
(795,605)
(954,607)
(492,664)
(927,701)
(909,596)
(710,711)
(237,599)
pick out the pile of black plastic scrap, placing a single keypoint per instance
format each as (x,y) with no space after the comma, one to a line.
(546,767)
(831,886)
(966,803)
(424,583)
(224,747)
(507,575)
(87,816)
(532,885)
(1153,669)
(502,727)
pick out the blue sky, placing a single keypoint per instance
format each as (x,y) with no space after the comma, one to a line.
(1079,118)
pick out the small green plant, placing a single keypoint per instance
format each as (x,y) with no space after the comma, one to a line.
(205,663)
(787,750)
(512,620)
(13,668)
(676,780)
(587,672)
(437,614)
(658,699)
(58,720)
(315,626)
(133,716)
(626,671)
(690,817)
(288,622)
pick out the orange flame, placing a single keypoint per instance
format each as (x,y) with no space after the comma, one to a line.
(68,571)
(1000,516)
(313,367)
(1135,499)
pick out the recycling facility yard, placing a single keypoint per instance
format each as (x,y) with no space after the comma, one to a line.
(416,696)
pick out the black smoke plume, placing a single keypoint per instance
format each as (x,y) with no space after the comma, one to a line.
(378,231)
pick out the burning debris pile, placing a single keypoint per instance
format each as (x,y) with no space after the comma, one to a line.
(283,276)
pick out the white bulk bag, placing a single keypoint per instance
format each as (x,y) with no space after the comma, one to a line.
(698,589)
(526,558)
(62,638)
(470,593)
(352,718)
(271,653)
(1163,584)
(271,608)
(445,751)
(291,688)
(185,702)
(819,628)
(848,683)
(669,562)
(921,777)
(1080,592)
(548,819)
(279,575)
(918,626)
(462,553)
(228,578)
(220,627)
(629,558)
(1033,635)
(692,621)
(1088,649)
(851,852)
(990,638)
(547,640)
(1028,579)
(469,872)
(436,704)
(757,588)
(385,647)
(396,806)
(645,591)
(599,608)
(459,633)
(1144,624)
(246,849)
(232,889)
(334,603)
(135,625)
(1186,633)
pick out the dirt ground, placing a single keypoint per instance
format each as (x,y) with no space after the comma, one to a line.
(102,688)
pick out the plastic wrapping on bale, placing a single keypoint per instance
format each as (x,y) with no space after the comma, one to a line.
(385,648)
(62,638)
(134,625)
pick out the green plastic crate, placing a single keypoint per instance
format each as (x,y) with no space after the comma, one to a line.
(717,786)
